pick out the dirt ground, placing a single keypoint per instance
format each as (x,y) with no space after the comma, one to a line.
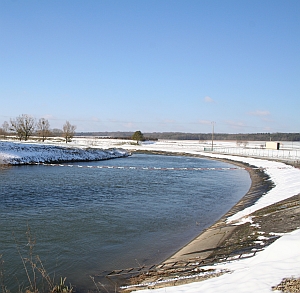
(269,222)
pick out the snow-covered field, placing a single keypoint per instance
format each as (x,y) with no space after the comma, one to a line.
(257,274)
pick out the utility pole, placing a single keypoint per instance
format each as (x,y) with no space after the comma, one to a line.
(212,135)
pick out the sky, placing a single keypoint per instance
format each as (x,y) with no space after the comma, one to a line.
(153,66)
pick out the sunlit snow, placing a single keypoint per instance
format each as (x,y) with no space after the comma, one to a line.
(19,153)
(280,260)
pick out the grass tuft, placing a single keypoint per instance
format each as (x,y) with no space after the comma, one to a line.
(37,278)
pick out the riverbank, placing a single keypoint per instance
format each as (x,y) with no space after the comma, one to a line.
(246,231)
(17,153)
(209,241)
(208,245)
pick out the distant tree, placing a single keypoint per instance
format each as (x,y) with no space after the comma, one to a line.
(5,128)
(23,126)
(138,136)
(43,128)
(68,131)
(56,132)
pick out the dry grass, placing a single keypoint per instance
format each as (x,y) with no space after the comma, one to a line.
(37,278)
(288,285)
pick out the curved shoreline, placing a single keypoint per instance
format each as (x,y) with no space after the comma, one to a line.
(208,241)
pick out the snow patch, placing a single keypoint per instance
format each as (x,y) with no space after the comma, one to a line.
(19,153)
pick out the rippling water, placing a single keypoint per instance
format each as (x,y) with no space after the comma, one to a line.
(86,220)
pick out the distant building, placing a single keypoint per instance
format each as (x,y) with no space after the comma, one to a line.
(272,145)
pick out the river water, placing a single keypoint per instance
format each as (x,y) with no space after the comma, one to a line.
(88,220)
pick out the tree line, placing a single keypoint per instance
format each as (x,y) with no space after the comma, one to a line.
(267,136)
(277,136)
(25,126)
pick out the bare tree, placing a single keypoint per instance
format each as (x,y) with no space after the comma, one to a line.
(68,131)
(56,132)
(23,126)
(43,128)
(5,128)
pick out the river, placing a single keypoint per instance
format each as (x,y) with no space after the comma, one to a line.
(85,220)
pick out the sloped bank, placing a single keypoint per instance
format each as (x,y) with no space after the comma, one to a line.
(209,245)
(13,153)
(237,235)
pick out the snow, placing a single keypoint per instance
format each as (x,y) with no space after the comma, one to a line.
(255,274)
(19,153)
(285,177)
(268,267)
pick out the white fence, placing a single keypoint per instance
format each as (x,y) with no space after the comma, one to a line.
(285,155)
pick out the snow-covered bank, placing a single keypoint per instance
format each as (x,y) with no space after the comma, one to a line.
(14,153)
(278,261)
(256,274)
(285,177)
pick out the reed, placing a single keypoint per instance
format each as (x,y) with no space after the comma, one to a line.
(37,278)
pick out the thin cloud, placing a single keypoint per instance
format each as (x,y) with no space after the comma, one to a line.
(129,125)
(95,119)
(205,122)
(260,113)
(171,125)
(267,129)
(235,124)
(168,121)
(208,99)
(48,116)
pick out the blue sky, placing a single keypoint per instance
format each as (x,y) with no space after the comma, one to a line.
(152,65)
